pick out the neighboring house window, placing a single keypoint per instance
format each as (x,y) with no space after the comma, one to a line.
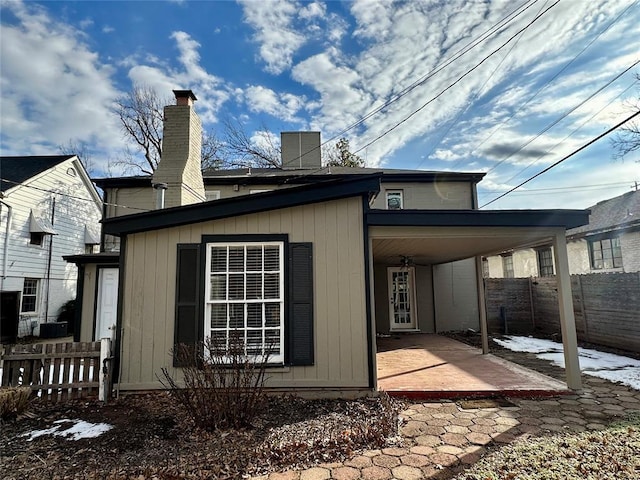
(245,293)
(545,262)
(485,268)
(394,200)
(29,296)
(36,238)
(212,195)
(605,253)
(507,266)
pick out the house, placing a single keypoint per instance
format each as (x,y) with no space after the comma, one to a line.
(309,261)
(609,243)
(48,208)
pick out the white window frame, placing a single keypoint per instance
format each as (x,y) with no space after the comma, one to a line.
(210,195)
(508,269)
(390,193)
(35,296)
(275,357)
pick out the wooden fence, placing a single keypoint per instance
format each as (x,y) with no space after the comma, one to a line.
(606,307)
(58,371)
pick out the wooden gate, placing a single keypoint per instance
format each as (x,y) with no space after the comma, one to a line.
(57,371)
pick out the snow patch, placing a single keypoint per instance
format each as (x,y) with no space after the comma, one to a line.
(79,429)
(607,366)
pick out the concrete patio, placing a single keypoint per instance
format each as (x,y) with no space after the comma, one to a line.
(434,366)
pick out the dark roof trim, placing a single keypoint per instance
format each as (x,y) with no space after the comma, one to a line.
(120,182)
(245,204)
(298,178)
(607,231)
(478,218)
(103,257)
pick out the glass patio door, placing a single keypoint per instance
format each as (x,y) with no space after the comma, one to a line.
(402,315)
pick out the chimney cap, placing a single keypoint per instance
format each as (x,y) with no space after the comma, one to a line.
(184,94)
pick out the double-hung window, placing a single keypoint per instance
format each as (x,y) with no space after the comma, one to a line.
(29,296)
(507,266)
(244,295)
(545,262)
(605,253)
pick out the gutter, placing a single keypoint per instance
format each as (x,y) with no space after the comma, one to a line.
(6,242)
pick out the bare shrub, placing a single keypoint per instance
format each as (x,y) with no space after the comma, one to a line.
(13,401)
(223,384)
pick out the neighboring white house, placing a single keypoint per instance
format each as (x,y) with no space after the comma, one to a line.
(609,243)
(48,208)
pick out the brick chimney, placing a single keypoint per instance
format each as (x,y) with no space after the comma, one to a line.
(179,166)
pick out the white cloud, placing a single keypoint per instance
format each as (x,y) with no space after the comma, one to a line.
(278,39)
(54,87)
(260,99)
(211,90)
(313,10)
(108,29)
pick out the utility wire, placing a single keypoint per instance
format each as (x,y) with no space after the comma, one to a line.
(560,190)
(71,196)
(468,72)
(562,117)
(574,131)
(545,85)
(473,98)
(566,157)
(458,54)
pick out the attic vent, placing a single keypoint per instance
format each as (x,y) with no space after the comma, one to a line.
(300,150)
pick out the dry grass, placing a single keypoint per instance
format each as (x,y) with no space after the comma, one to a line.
(609,454)
(13,401)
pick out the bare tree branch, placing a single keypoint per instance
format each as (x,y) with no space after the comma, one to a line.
(627,139)
(82,151)
(240,150)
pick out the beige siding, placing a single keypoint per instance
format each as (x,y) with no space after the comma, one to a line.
(436,195)
(88,305)
(456,296)
(424,298)
(334,228)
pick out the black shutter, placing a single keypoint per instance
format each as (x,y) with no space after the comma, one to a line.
(300,304)
(187,297)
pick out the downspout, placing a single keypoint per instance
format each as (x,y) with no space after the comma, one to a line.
(6,243)
(46,305)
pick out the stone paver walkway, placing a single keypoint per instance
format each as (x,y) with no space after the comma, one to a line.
(442,439)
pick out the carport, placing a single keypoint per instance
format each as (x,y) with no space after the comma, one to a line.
(442,250)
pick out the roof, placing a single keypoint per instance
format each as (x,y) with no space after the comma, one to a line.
(261,176)
(614,214)
(355,185)
(107,258)
(478,218)
(15,170)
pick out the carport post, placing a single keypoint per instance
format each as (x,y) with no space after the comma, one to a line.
(482,306)
(567,319)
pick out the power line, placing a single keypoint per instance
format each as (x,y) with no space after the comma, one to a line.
(562,117)
(570,134)
(458,54)
(53,192)
(472,99)
(468,72)
(545,85)
(566,157)
(561,190)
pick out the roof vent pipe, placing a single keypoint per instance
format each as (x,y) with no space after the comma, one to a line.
(160,188)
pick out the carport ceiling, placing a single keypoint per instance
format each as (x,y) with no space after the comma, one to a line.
(433,245)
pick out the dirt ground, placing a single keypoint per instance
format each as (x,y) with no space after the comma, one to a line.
(152,437)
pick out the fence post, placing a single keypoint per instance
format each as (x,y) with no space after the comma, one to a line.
(105,370)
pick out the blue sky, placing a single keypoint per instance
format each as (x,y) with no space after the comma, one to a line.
(508,109)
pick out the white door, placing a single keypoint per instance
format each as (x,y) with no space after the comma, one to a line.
(402,311)
(107,310)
